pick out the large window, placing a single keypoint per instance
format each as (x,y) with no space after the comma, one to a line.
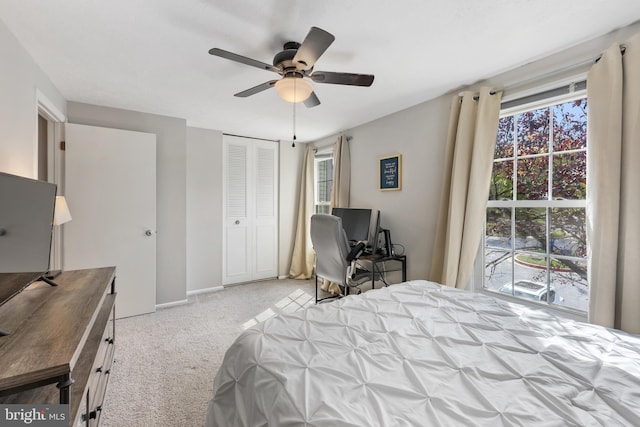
(535,229)
(324,182)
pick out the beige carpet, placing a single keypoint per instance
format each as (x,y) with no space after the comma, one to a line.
(166,361)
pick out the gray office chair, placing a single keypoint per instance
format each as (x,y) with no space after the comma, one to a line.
(335,258)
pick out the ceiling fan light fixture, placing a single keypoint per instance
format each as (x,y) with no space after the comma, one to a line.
(294,89)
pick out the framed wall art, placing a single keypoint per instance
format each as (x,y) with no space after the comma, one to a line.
(391,173)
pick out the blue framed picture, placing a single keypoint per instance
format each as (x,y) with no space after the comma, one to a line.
(391,173)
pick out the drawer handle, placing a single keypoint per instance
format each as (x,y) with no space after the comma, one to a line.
(93,414)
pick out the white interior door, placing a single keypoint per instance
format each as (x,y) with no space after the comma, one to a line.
(250,235)
(110,186)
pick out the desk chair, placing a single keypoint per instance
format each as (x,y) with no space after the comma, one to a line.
(335,258)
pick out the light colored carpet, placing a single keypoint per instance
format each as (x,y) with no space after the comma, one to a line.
(166,361)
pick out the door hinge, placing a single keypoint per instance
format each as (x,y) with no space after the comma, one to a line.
(63,145)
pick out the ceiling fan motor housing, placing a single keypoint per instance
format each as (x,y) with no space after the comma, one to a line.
(284,59)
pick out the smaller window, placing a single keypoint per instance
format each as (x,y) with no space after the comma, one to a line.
(323,182)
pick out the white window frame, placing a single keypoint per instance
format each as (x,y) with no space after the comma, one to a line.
(478,279)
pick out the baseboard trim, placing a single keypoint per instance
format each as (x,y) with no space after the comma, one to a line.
(205,291)
(283,277)
(171,304)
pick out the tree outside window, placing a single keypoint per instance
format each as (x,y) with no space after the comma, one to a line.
(535,229)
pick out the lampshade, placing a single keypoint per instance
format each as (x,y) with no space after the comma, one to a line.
(294,89)
(61,212)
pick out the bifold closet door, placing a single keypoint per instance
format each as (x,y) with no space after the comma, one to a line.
(110,186)
(250,191)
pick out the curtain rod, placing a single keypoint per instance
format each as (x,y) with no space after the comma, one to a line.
(315,149)
(565,69)
(251,137)
(543,77)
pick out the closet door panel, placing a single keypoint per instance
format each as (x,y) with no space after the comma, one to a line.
(236,263)
(250,236)
(266,211)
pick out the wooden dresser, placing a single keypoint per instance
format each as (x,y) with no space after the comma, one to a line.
(60,345)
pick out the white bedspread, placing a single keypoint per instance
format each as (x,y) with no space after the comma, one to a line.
(418,354)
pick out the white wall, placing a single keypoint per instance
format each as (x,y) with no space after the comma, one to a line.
(419,134)
(171,164)
(204,209)
(20,80)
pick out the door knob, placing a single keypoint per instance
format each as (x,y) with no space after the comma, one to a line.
(237,221)
(148,233)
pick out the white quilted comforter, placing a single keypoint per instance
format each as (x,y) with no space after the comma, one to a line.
(418,354)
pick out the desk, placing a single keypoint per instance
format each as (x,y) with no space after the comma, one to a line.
(377,264)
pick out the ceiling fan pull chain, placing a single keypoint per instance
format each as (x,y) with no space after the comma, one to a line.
(293,143)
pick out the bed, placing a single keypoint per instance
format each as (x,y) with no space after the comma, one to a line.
(421,354)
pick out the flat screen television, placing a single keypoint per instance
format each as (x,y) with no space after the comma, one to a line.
(356,222)
(26,227)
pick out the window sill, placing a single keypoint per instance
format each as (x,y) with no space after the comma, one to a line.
(557,310)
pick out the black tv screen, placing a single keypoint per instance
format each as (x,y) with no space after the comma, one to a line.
(26,225)
(356,222)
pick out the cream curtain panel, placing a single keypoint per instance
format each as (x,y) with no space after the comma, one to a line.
(473,127)
(341,174)
(339,189)
(613,189)
(303,257)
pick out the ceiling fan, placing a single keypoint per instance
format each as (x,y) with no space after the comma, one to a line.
(295,64)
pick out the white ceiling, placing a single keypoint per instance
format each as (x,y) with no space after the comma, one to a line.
(152,55)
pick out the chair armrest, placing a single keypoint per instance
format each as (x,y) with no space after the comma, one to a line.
(356,251)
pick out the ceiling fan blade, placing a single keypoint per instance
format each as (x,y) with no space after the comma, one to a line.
(342,78)
(313,46)
(256,89)
(312,100)
(243,60)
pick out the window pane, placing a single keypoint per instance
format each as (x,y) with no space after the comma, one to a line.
(533,178)
(530,277)
(568,232)
(570,125)
(570,176)
(502,181)
(498,228)
(323,209)
(324,179)
(531,229)
(570,284)
(498,268)
(533,132)
(326,192)
(504,140)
